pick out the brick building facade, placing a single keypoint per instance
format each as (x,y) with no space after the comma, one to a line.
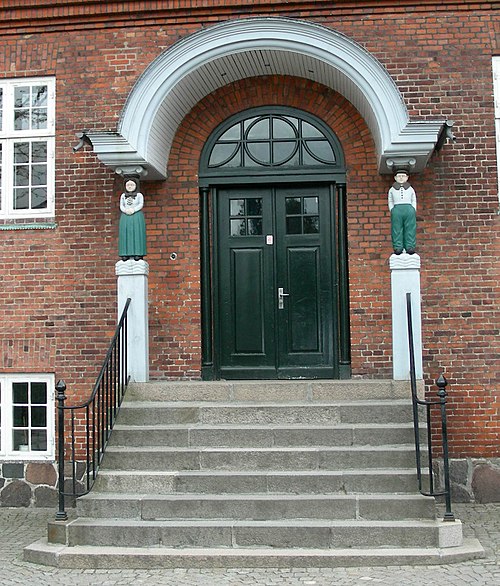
(98,61)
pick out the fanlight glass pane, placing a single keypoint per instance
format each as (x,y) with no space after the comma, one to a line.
(284,129)
(234,133)
(258,152)
(310,131)
(225,154)
(272,140)
(318,151)
(259,130)
(283,152)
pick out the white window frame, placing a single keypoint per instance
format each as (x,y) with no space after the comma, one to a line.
(9,136)
(6,417)
(496,95)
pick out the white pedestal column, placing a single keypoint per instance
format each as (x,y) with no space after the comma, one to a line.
(405,278)
(133,282)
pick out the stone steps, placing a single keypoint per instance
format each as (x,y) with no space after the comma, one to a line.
(249,474)
(257,481)
(224,435)
(142,413)
(146,558)
(300,458)
(256,506)
(285,533)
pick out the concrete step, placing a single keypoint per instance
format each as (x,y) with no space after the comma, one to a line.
(342,412)
(106,557)
(303,458)
(272,481)
(256,506)
(273,391)
(287,533)
(262,435)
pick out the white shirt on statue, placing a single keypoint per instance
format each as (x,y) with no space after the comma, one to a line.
(402,193)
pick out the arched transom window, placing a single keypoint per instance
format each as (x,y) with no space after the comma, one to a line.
(272,140)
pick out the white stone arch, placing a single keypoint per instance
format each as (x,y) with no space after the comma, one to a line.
(209,59)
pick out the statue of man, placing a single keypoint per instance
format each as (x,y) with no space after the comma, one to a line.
(403,206)
(132,227)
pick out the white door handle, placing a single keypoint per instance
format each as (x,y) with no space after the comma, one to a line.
(281,297)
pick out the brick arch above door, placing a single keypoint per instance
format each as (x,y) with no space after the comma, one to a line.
(237,49)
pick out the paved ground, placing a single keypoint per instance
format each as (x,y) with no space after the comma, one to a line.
(19,527)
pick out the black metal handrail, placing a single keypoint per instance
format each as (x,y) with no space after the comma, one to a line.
(441,383)
(96,416)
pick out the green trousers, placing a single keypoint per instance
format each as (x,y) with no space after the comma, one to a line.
(404,227)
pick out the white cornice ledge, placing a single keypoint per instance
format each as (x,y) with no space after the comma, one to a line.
(114,151)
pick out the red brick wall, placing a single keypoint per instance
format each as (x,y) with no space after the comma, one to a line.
(58,286)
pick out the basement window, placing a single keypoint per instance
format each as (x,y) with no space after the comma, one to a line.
(27,417)
(27,137)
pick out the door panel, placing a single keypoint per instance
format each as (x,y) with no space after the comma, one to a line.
(247,288)
(246,344)
(302,322)
(269,239)
(304,268)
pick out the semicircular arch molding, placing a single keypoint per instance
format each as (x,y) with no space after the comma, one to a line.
(211,58)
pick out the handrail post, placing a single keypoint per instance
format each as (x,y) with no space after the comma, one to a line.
(441,382)
(61,514)
(413,387)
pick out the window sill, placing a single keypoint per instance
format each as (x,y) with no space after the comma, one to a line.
(29,226)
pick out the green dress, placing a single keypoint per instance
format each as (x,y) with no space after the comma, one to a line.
(132,228)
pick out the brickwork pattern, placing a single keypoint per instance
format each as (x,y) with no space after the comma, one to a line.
(58,285)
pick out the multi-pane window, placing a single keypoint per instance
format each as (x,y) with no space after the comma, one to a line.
(246,216)
(302,215)
(272,141)
(26,416)
(496,93)
(27,129)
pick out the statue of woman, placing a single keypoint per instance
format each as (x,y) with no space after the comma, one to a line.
(132,227)
(403,206)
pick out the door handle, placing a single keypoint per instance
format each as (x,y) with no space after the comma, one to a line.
(281,297)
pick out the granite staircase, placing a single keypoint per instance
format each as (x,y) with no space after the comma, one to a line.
(253,474)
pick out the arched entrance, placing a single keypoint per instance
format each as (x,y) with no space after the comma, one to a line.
(275,291)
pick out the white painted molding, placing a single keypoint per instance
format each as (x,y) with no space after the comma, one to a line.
(404,261)
(132,282)
(405,278)
(131,267)
(211,58)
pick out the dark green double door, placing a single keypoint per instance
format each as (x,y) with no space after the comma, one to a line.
(276,283)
